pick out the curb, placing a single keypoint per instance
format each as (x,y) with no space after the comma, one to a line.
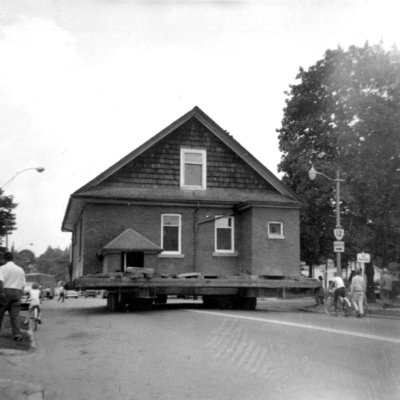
(372,311)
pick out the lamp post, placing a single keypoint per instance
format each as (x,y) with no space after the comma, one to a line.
(312,174)
(38,169)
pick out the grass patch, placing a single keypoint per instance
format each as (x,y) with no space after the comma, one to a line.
(6,338)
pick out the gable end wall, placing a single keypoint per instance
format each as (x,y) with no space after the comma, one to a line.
(160,165)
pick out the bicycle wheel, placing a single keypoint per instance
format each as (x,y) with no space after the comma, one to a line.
(346,307)
(329,306)
(35,319)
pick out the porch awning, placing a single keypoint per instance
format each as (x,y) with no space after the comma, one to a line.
(130,241)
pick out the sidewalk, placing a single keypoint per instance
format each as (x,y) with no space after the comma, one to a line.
(308,304)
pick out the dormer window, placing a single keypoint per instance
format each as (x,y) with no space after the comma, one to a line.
(193,169)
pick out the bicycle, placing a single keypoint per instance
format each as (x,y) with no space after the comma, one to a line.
(343,306)
(35,320)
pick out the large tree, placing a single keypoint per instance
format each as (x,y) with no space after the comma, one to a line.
(344,114)
(7,217)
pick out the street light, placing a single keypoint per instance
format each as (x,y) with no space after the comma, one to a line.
(38,169)
(312,174)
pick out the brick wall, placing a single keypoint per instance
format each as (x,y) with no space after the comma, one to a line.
(256,253)
(275,256)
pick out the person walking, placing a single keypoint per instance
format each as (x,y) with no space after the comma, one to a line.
(12,282)
(61,294)
(319,292)
(357,292)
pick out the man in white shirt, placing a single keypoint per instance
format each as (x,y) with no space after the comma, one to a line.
(339,288)
(12,282)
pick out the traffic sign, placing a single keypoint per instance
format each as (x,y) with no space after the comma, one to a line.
(363,257)
(338,247)
(339,233)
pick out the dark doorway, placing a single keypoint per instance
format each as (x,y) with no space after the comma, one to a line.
(132,259)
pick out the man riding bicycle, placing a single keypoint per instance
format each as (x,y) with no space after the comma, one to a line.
(339,288)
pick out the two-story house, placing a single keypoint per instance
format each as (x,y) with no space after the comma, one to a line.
(190,199)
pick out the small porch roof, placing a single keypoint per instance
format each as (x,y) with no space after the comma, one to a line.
(130,240)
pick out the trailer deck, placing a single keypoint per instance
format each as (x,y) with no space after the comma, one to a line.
(222,292)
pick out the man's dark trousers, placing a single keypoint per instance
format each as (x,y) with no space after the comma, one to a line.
(11,302)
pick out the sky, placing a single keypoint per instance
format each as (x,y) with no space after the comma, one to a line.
(84,83)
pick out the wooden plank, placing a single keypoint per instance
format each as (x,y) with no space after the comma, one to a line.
(257,283)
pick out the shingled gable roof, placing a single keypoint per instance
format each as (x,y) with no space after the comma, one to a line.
(284,194)
(227,139)
(130,240)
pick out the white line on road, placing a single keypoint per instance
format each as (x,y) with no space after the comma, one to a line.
(297,325)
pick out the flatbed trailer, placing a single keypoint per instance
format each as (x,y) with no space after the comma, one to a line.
(138,291)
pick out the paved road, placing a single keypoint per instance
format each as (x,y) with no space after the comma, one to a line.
(84,352)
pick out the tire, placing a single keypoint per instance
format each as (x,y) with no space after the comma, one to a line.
(245,303)
(347,308)
(162,299)
(330,307)
(35,319)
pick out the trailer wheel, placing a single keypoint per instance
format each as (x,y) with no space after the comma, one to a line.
(250,303)
(113,304)
(140,304)
(246,303)
(219,302)
(162,299)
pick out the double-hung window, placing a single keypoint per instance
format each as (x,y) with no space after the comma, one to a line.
(193,169)
(171,233)
(224,235)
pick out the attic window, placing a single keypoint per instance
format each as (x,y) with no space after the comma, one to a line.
(193,169)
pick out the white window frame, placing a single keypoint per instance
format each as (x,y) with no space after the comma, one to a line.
(272,235)
(203,154)
(232,249)
(179,251)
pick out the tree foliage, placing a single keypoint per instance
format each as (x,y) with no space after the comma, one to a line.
(54,262)
(7,217)
(344,114)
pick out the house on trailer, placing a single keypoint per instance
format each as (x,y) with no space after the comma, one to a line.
(190,199)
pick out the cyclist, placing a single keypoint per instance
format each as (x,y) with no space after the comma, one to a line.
(339,288)
(34,301)
(357,291)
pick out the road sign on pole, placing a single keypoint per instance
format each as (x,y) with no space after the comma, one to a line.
(363,257)
(338,247)
(339,233)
